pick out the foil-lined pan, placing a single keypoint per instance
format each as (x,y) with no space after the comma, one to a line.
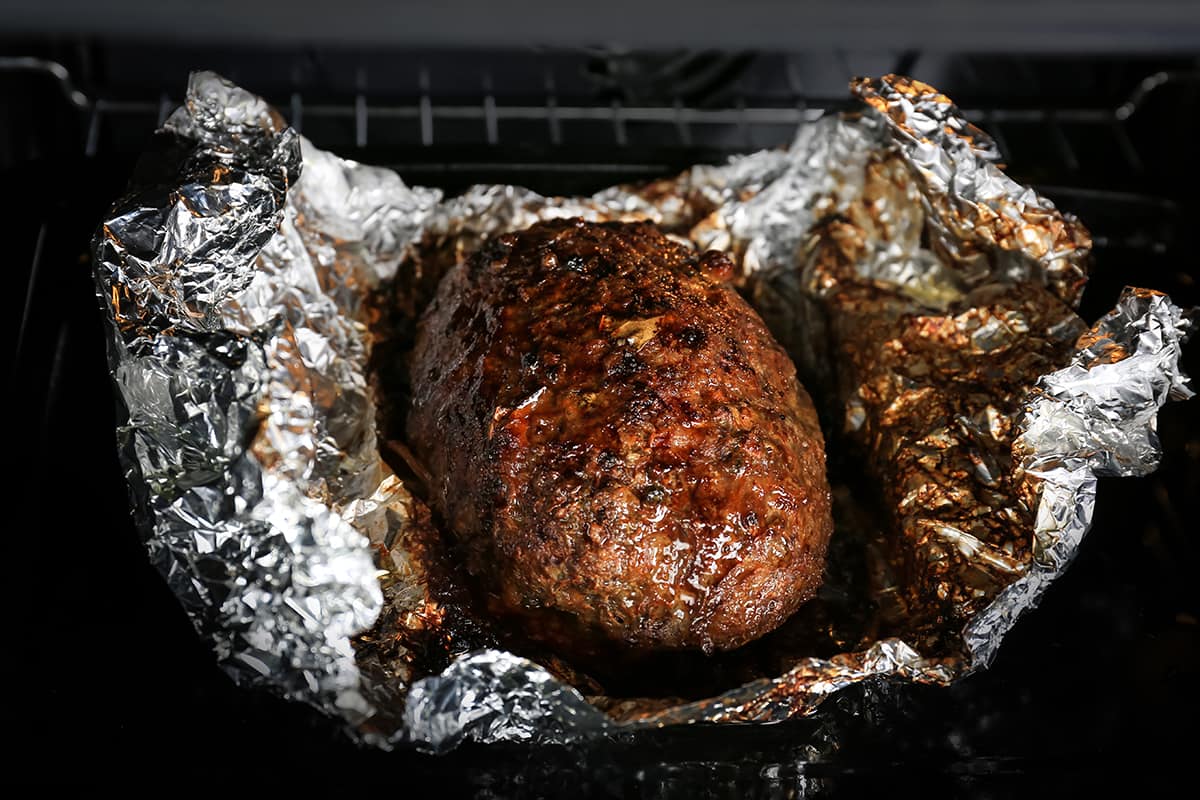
(261,295)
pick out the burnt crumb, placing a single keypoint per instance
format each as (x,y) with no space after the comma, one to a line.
(627,365)
(692,336)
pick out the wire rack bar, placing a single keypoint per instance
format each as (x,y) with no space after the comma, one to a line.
(740,115)
(690,124)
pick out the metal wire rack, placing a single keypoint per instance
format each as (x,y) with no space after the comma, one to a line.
(575,122)
(1094,155)
(749,117)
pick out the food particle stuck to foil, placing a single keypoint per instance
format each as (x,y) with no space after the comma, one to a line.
(255,284)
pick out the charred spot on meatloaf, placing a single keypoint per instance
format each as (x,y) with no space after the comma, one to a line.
(618,446)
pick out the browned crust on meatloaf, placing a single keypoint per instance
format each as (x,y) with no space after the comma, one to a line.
(618,445)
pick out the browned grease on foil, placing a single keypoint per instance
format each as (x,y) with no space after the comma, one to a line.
(920,402)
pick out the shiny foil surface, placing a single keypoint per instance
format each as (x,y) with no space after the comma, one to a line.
(260,294)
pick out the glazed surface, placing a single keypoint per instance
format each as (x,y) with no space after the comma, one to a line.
(616,443)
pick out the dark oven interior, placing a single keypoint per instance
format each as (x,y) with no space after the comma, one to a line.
(1106,666)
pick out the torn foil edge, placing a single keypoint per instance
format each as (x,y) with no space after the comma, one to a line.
(1093,418)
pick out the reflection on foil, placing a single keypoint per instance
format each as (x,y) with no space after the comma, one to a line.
(927,298)
(492,695)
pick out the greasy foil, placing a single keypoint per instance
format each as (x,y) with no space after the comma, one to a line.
(254,285)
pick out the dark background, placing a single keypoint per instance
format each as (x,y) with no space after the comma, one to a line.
(1097,690)
(1058,26)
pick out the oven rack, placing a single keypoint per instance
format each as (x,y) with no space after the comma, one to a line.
(440,123)
(1119,617)
(736,125)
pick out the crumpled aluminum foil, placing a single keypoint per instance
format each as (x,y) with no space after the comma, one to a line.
(247,275)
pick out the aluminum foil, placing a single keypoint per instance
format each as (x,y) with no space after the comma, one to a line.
(254,286)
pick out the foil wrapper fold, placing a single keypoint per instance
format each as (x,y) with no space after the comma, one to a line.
(928,300)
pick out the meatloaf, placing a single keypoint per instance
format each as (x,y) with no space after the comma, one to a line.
(619,448)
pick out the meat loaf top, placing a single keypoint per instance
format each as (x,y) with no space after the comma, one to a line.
(617,445)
